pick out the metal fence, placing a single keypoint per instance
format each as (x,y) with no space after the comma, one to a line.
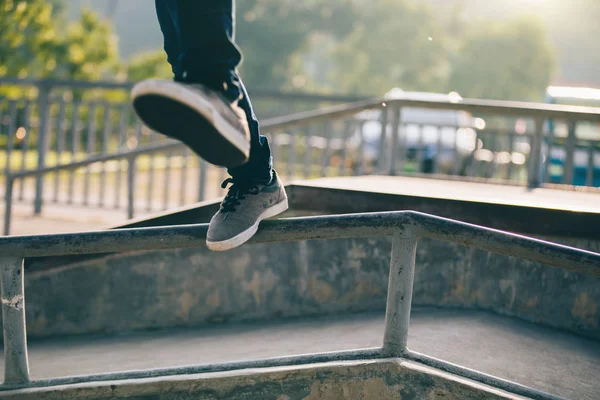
(77,147)
(405,227)
(53,123)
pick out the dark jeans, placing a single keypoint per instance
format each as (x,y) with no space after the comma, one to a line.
(199,42)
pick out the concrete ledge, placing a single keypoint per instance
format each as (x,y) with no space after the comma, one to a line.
(390,379)
(192,287)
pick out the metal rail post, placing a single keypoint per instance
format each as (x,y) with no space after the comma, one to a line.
(8,195)
(130,186)
(568,172)
(383,139)
(535,156)
(202,181)
(396,123)
(16,365)
(42,148)
(589,178)
(399,297)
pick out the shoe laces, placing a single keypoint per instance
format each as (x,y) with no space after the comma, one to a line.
(237,192)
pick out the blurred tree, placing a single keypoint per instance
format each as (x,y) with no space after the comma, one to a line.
(504,60)
(392,43)
(36,42)
(28,35)
(272,32)
(88,50)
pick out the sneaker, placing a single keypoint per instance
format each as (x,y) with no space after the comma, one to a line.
(213,127)
(242,210)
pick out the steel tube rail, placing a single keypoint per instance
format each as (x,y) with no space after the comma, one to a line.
(399,296)
(497,107)
(308,228)
(405,227)
(142,150)
(530,110)
(510,244)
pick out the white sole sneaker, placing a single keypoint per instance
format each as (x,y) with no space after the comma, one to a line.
(189,113)
(246,235)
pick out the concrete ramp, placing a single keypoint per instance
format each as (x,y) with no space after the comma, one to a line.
(558,363)
(388,379)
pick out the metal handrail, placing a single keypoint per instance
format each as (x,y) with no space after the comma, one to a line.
(272,124)
(498,107)
(485,106)
(539,112)
(405,227)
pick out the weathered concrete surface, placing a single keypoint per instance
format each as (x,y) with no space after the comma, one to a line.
(392,379)
(191,287)
(542,358)
(565,213)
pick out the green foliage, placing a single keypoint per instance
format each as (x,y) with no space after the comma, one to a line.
(149,64)
(89,49)
(37,43)
(272,32)
(29,36)
(393,43)
(510,60)
(346,46)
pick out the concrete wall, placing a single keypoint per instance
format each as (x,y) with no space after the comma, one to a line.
(190,287)
(382,380)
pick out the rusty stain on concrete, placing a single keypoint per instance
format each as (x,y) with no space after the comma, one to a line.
(321,291)
(585,309)
(253,286)
(507,287)
(240,264)
(457,289)
(374,388)
(214,300)
(362,289)
(186,301)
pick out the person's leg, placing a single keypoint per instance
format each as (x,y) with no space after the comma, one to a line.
(199,42)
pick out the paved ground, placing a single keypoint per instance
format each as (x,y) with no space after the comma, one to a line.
(556,362)
(64,218)
(575,199)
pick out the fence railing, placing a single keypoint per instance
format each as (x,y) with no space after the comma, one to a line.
(95,153)
(58,122)
(405,227)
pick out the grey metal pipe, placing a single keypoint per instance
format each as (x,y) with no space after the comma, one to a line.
(43,141)
(309,228)
(399,295)
(8,198)
(570,148)
(507,243)
(130,186)
(396,121)
(535,155)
